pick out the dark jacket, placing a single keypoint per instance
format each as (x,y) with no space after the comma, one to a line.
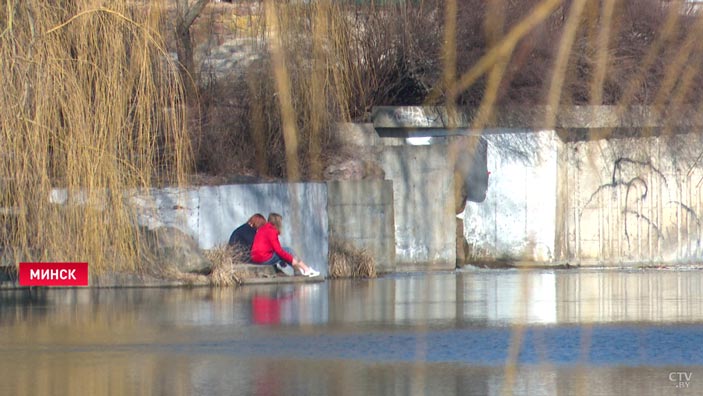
(243,236)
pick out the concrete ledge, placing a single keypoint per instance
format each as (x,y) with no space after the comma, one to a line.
(403,121)
(282,280)
(254,270)
(519,264)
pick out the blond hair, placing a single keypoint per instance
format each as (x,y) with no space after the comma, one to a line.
(277,221)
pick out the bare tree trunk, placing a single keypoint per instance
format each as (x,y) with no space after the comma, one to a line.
(186,16)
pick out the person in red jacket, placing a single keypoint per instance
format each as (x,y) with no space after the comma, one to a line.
(267,249)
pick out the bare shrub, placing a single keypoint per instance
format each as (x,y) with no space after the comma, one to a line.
(341,59)
(364,57)
(347,261)
(635,29)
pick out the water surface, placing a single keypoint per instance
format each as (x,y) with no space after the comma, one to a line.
(482,332)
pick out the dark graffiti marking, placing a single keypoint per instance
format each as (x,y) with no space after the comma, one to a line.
(617,183)
(617,167)
(647,220)
(638,185)
(693,213)
(636,182)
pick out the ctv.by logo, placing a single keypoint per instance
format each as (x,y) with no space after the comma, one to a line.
(681,379)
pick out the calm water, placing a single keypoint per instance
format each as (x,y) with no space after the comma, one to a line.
(602,332)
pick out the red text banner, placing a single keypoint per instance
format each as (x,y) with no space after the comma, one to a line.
(53,274)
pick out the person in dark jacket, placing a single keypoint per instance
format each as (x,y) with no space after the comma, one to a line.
(267,249)
(243,237)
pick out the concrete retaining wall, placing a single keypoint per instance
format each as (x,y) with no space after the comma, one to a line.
(423,200)
(423,196)
(210,214)
(634,200)
(581,197)
(517,219)
(361,212)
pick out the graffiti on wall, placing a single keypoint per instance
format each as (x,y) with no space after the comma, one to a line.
(642,214)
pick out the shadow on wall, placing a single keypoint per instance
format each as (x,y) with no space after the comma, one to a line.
(471,171)
(476,178)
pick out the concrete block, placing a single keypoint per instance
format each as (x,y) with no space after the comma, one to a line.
(361,221)
(168,207)
(361,212)
(364,192)
(423,199)
(246,271)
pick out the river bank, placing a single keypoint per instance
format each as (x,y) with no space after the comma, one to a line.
(244,274)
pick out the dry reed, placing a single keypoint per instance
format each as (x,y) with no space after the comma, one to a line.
(91,109)
(224,259)
(348,261)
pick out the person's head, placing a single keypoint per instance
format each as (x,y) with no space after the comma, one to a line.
(277,221)
(256,220)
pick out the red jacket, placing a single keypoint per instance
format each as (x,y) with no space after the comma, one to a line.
(266,243)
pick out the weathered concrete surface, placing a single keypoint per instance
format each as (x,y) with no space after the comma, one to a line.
(423,196)
(423,200)
(171,248)
(424,184)
(210,214)
(254,271)
(517,219)
(361,212)
(634,200)
(575,196)
(561,241)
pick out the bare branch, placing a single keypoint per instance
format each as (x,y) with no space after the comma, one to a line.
(193,12)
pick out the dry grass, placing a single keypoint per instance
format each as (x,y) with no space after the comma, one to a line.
(347,261)
(90,105)
(224,258)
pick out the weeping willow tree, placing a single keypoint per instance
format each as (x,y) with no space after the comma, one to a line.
(91,108)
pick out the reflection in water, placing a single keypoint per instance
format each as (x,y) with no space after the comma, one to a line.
(522,297)
(446,333)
